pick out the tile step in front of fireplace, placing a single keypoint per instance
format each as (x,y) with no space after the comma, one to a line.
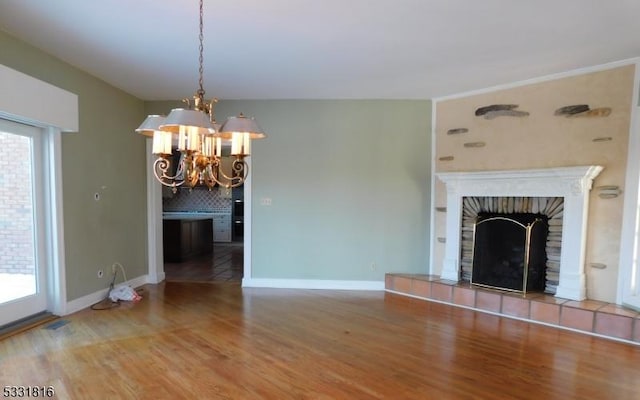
(588,316)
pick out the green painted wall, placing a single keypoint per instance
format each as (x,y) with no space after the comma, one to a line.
(104,157)
(349,182)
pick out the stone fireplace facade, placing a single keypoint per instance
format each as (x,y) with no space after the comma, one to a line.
(571,184)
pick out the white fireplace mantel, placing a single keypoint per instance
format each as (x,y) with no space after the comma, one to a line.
(571,183)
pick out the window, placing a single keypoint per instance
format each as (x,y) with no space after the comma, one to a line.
(23,268)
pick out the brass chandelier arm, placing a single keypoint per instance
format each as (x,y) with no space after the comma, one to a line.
(194,169)
(239,174)
(161,171)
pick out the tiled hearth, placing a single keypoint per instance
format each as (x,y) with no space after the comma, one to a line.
(587,316)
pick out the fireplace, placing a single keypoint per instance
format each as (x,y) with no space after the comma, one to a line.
(509,251)
(549,209)
(570,184)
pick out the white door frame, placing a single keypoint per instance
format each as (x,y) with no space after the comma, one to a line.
(48,216)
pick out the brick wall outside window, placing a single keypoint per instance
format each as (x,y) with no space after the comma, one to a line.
(16,212)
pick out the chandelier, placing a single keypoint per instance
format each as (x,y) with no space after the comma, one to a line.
(193,131)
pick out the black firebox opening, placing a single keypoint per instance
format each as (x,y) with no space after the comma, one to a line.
(501,245)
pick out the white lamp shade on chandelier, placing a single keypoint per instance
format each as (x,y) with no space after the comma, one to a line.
(196,121)
(241,130)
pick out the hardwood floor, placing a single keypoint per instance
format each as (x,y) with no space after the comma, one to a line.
(225,264)
(189,340)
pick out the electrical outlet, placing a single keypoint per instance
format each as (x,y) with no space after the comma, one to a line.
(100,273)
(373,266)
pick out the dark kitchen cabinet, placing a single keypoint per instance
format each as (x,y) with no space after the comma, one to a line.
(186,238)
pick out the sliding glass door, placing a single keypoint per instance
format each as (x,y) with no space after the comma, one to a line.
(22,228)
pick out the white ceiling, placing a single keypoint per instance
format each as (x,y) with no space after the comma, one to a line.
(294,49)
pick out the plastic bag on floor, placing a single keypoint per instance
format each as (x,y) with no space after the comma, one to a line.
(124,293)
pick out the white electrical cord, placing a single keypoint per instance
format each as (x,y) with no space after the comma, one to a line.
(113,269)
(106,303)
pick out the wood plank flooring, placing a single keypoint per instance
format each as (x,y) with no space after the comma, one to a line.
(189,340)
(224,265)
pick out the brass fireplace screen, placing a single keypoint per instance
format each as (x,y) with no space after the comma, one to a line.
(509,252)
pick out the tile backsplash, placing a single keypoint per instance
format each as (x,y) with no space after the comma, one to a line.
(216,200)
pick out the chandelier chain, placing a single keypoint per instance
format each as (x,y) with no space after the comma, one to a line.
(201,70)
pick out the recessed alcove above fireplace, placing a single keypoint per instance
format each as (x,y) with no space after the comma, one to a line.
(572,184)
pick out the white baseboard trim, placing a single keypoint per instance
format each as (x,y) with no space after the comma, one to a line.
(93,298)
(312,284)
(155,279)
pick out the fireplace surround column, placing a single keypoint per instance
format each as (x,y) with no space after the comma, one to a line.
(571,183)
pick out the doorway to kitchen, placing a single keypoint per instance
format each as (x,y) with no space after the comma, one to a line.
(238,253)
(203,234)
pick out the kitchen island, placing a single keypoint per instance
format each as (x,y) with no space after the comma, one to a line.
(186,235)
